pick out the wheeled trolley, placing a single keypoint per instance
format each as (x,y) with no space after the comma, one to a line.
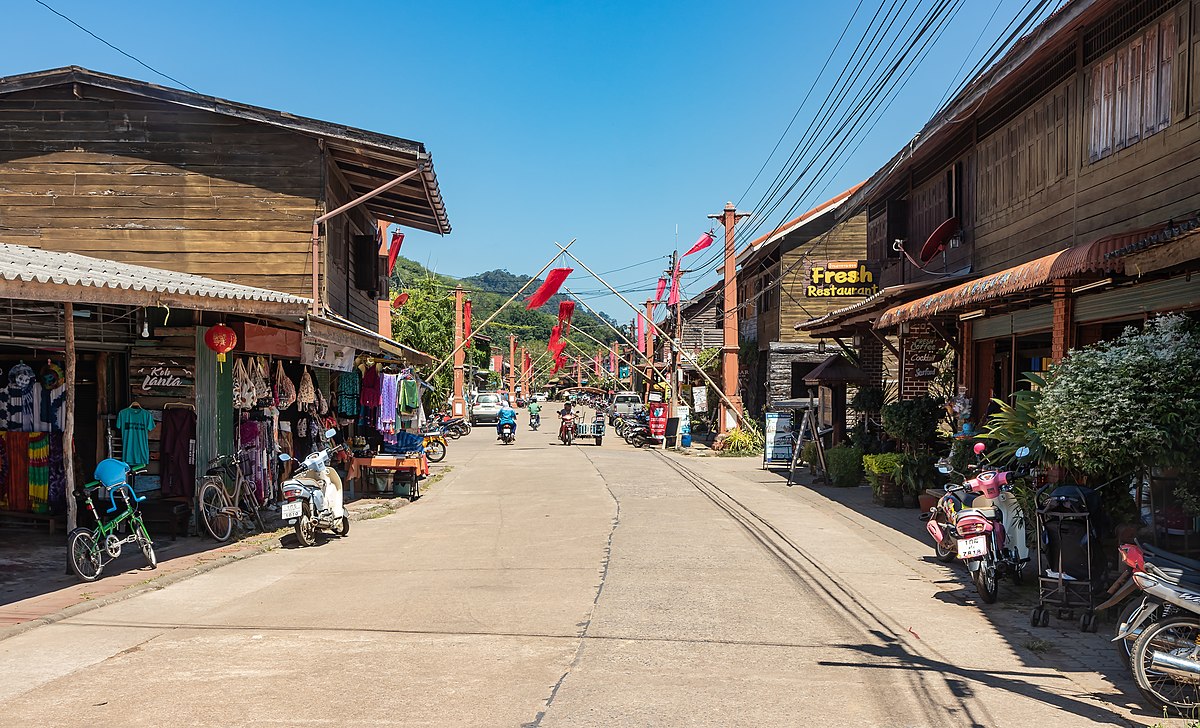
(593,429)
(1068,556)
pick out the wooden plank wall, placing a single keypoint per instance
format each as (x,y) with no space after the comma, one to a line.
(344,297)
(845,241)
(123,177)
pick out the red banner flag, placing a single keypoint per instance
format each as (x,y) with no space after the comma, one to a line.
(612,362)
(528,365)
(597,364)
(674,297)
(641,332)
(394,250)
(662,286)
(467,324)
(705,240)
(555,335)
(566,310)
(553,282)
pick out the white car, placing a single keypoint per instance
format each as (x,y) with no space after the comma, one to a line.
(486,408)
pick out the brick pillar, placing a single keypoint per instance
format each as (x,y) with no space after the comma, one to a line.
(1064,325)
(870,354)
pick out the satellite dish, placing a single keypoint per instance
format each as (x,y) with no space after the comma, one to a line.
(937,241)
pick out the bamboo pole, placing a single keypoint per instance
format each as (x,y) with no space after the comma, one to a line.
(481,327)
(692,360)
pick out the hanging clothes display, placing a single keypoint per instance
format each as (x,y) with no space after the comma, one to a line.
(21,381)
(17,448)
(58,476)
(177,450)
(39,472)
(349,384)
(388,400)
(369,396)
(135,424)
(410,397)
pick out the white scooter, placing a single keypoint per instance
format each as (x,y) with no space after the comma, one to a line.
(313,496)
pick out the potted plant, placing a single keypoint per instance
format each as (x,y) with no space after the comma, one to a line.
(881,472)
(916,473)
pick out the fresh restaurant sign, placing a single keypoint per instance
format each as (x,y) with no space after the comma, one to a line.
(841,278)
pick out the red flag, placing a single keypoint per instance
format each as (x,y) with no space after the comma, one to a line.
(394,250)
(703,242)
(612,362)
(566,310)
(662,286)
(466,324)
(558,347)
(555,334)
(597,363)
(553,282)
(528,365)
(674,297)
(641,332)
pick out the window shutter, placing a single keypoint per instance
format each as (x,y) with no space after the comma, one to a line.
(1194,76)
(1179,87)
(366,260)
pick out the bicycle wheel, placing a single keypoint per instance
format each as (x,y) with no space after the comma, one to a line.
(435,451)
(250,505)
(214,505)
(143,539)
(84,554)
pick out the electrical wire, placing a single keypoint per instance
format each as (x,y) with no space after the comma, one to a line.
(115,48)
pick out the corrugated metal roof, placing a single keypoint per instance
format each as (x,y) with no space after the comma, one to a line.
(20,262)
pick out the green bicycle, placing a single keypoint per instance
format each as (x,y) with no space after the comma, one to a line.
(89,549)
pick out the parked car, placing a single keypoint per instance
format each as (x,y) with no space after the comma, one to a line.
(623,403)
(486,409)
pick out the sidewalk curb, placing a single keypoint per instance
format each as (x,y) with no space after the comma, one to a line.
(270,543)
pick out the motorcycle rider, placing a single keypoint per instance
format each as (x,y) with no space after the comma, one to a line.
(507,416)
(535,414)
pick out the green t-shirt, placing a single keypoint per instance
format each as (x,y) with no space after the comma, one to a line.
(135,425)
(535,408)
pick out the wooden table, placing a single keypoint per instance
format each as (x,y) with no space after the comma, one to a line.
(417,467)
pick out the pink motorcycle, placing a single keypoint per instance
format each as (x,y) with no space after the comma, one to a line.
(981,523)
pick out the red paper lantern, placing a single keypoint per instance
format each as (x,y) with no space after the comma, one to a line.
(221,339)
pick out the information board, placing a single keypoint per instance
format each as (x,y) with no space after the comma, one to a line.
(777,446)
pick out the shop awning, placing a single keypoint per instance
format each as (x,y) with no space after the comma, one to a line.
(1023,277)
(337,330)
(33,274)
(844,319)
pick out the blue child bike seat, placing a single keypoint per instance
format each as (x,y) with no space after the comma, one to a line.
(111,472)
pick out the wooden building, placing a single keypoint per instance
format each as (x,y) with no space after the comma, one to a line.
(131,171)
(805,268)
(1048,205)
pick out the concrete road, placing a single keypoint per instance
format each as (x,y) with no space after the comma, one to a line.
(543,585)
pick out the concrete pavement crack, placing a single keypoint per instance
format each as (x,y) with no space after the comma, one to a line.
(587,623)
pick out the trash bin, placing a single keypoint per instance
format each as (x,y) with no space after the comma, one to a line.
(683,415)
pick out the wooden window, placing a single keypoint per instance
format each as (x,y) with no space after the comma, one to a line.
(1130,91)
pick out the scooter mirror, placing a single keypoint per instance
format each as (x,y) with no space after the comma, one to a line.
(943,466)
(284,457)
(1022,452)
(979,448)
(330,432)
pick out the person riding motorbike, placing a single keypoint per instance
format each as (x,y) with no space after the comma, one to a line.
(535,414)
(507,416)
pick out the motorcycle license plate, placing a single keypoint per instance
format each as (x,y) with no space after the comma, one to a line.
(290,510)
(971,548)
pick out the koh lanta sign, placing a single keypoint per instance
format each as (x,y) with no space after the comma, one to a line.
(841,278)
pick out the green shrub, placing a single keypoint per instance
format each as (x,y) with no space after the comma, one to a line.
(912,422)
(744,441)
(917,472)
(845,466)
(879,465)
(808,454)
(868,399)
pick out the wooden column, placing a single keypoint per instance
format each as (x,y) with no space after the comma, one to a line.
(69,416)
(458,404)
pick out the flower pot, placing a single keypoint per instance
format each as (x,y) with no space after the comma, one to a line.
(925,501)
(890,493)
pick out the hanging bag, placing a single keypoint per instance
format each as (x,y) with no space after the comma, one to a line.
(285,391)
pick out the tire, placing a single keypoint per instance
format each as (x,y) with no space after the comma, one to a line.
(143,538)
(1125,647)
(1163,692)
(985,580)
(249,504)
(453,433)
(341,527)
(944,554)
(213,504)
(84,555)
(306,530)
(638,439)
(435,451)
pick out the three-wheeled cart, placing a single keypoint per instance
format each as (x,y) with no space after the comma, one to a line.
(593,429)
(1068,543)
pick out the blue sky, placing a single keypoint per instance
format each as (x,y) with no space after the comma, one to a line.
(609,122)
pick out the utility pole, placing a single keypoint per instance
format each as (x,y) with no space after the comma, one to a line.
(678,337)
(512,369)
(649,348)
(729,349)
(458,404)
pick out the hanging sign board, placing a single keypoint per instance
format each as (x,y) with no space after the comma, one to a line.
(921,357)
(658,418)
(777,447)
(700,398)
(839,279)
(322,355)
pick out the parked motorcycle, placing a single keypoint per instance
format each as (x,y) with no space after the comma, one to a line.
(1140,613)
(981,523)
(435,446)
(313,496)
(507,433)
(1166,656)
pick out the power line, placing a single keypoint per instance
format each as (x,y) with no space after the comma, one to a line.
(118,50)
